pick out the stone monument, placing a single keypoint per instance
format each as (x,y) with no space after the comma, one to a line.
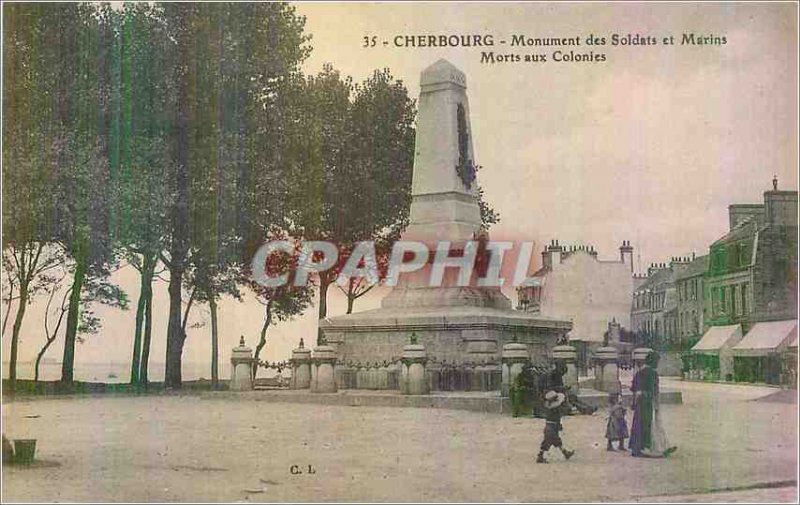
(457,323)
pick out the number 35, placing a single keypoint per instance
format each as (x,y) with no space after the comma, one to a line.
(370,41)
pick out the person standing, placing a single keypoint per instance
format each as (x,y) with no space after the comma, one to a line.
(617,426)
(644,387)
(648,438)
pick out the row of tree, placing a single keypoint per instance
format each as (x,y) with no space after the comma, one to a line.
(176,138)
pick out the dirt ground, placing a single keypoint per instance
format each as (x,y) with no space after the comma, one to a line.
(187,448)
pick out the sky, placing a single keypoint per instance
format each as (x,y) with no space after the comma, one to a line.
(650,146)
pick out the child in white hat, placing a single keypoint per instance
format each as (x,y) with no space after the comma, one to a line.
(554,404)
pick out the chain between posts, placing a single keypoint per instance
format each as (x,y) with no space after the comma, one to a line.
(442,363)
(275,365)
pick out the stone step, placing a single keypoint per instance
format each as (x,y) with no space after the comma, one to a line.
(490,402)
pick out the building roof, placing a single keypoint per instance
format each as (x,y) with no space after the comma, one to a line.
(766,338)
(660,276)
(698,266)
(718,336)
(745,229)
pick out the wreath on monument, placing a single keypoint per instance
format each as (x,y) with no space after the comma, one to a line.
(465,169)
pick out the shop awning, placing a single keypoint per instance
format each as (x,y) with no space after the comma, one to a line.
(717,337)
(767,338)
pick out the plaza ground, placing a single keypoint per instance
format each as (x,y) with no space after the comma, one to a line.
(228,448)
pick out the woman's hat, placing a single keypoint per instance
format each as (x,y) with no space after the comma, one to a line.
(553,399)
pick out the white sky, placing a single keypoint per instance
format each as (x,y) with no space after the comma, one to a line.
(650,146)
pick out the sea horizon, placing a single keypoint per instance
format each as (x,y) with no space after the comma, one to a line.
(117,372)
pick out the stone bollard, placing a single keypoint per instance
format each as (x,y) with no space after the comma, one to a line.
(323,366)
(301,367)
(638,356)
(241,368)
(566,354)
(413,380)
(606,370)
(514,358)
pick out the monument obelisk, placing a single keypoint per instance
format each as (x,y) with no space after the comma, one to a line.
(456,323)
(444,204)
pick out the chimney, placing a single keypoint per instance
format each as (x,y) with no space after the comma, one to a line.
(551,256)
(679,260)
(626,253)
(780,206)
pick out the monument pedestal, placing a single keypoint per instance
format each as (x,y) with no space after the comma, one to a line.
(452,334)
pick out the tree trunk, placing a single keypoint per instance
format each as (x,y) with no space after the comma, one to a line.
(137,332)
(180,218)
(175,336)
(148,331)
(12,359)
(212,305)
(146,292)
(51,337)
(68,365)
(8,310)
(324,283)
(263,339)
(39,357)
(350,296)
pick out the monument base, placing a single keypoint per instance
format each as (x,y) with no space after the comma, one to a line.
(451,335)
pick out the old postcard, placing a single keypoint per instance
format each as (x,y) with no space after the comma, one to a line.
(399,252)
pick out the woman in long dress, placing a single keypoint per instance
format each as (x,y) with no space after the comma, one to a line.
(648,437)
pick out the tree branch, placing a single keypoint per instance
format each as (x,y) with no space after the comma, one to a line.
(186,312)
(167,263)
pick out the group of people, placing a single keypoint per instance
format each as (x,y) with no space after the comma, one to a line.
(647,437)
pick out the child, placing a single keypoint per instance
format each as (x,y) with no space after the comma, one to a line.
(554,404)
(617,427)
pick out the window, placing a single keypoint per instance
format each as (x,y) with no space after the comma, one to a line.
(741,250)
(744,298)
(727,299)
(714,301)
(733,300)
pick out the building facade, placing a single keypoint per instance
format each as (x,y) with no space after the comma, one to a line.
(654,309)
(575,284)
(690,289)
(750,284)
(752,269)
